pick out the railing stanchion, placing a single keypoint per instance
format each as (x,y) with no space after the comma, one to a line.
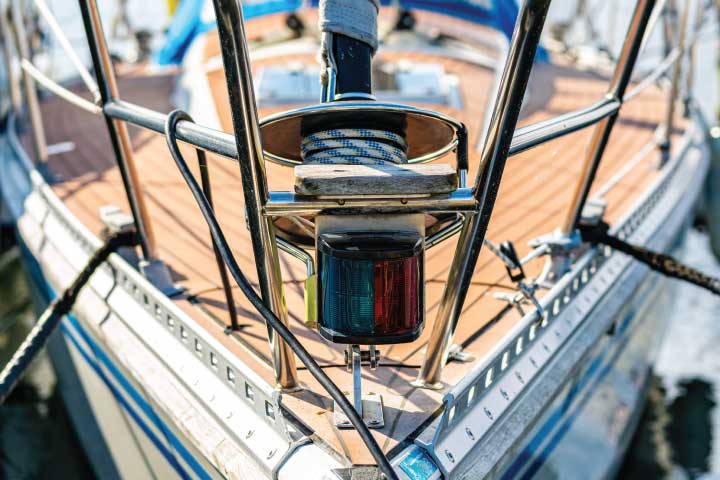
(669,122)
(692,58)
(222,268)
(601,135)
(119,137)
(236,59)
(669,15)
(13,79)
(523,46)
(23,48)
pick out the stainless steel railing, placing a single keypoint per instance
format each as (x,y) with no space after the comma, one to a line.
(524,43)
(245,147)
(7,42)
(58,90)
(674,88)
(55,28)
(21,44)
(238,76)
(601,135)
(105,76)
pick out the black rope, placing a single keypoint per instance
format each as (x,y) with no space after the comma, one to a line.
(219,237)
(660,262)
(51,317)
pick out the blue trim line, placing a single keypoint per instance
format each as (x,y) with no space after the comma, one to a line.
(528,452)
(140,401)
(560,433)
(49,294)
(118,396)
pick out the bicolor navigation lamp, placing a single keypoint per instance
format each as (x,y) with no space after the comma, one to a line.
(370,287)
(370,291)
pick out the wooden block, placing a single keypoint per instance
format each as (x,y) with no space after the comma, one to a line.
(375,179)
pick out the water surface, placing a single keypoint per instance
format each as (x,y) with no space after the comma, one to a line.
(36,438)
(680,430)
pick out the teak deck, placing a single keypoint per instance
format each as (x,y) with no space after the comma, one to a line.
(534,197)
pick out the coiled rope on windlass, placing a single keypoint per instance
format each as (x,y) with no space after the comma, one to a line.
(349,40)
(354,146)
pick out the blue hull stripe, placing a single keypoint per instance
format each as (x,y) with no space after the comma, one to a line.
(144,406)
(128,408)
(560,433)
(528,453)
(140,401)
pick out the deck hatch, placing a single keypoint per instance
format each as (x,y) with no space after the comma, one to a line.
(401,82)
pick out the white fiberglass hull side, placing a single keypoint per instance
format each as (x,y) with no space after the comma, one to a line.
(585,430)
(159,406)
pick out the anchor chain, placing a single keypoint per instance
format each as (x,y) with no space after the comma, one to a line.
(51,317)
(598,233)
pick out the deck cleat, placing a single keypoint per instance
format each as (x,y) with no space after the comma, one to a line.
(563,247)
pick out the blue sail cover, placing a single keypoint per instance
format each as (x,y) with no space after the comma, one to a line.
(188,23)
(185,26)
(499,14)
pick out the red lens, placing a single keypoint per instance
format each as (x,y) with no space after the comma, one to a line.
(398,296)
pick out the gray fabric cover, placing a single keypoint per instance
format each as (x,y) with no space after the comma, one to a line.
(353,18)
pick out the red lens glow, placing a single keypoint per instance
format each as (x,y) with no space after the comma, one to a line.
(398,302)
(370,287)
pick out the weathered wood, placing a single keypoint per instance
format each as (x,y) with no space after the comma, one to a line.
(375,179)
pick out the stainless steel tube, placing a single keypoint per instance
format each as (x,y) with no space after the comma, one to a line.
(64,43)
(198,136)
(514,80)
(38,129)
(61,92)
(654,76)
(13,78)
(669,122)
(692,57)
(238,75)
(538,133)
(107,84)
(601,135)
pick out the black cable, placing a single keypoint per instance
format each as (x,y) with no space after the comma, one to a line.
(207,191)
(382,461)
